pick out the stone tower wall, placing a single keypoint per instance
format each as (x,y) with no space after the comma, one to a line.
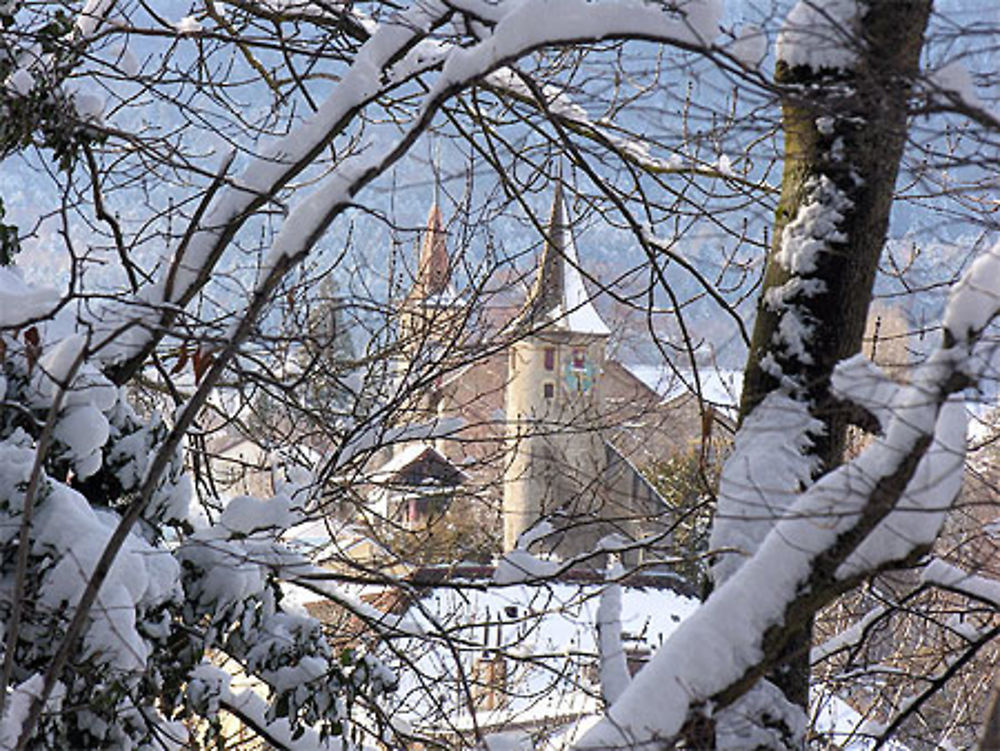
(555,451)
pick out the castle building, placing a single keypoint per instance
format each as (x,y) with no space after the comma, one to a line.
(554,429)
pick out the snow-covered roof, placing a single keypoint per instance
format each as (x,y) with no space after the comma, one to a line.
(319,532)
(410,454)
(546,635)
(559,298)
(721,388)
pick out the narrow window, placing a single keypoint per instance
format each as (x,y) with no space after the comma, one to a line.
(550,358)
(513,362)
(578,358)
(549,390)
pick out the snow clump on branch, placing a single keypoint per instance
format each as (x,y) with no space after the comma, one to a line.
(974,301)
(819,34)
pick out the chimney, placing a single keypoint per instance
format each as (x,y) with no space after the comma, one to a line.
(489,681)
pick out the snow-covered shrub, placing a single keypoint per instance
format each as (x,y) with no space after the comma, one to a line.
(174,596)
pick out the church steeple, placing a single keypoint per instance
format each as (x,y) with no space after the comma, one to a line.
(433,312)
(434,265)
(550,284)
(558,297)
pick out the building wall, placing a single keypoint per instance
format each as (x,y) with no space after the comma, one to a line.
(522,468)
(555,454)
(243,468)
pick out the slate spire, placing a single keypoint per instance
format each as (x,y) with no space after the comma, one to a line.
(558,296)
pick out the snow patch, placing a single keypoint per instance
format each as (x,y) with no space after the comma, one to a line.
(819,34)
(955,78)
(91,16)
(519,566)
(976,298)
(945,574)
(70,530)
(21,302)
(761,480)
(862,382)
(20,82)
(245,515)
(814,226)
(188,25)
(89,106)
(613,665)
(749,46)
(19,703)
(920,512)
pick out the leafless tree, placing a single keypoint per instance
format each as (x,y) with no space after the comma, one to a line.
(237,216)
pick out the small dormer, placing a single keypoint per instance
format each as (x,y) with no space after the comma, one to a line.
(415,486)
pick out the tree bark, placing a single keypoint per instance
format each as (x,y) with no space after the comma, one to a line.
(990,739)
(857,146)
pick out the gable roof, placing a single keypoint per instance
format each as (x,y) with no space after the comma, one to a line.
(419,463)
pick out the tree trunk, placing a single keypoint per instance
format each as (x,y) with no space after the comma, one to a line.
(844,129)
(990,739)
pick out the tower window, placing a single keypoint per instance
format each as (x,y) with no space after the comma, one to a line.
(549,390)
(513,361)
(550,358)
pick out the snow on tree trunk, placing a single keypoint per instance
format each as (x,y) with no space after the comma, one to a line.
(846,70)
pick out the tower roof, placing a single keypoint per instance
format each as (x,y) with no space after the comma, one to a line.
(432,285)
(434,270)
(558,298)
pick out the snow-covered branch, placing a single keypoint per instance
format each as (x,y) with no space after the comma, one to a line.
(614,665)
(853,521)
(396,52)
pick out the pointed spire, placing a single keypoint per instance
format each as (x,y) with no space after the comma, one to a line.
(434,266)
(549,288)
(558,294)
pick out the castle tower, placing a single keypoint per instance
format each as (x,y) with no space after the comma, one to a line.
(432,307)
(556,455)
